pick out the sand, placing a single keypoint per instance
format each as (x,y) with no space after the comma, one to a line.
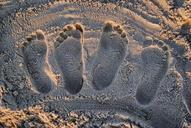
(95,63)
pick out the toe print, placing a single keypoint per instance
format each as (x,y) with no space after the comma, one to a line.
(110,53)
(35,51)
(155,65)
(68,53)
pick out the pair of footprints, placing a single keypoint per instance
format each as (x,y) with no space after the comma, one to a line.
(110,53)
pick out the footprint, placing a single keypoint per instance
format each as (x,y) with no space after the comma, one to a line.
(35,51)
(110,53)
(68,53)
(155,65)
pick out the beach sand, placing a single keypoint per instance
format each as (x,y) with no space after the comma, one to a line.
(95,63)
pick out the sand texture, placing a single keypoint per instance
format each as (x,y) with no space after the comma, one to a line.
(95,63)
